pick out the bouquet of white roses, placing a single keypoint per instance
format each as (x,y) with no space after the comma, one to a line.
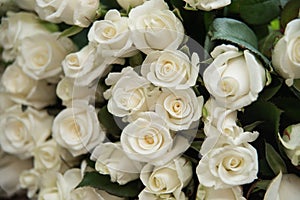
(150,99)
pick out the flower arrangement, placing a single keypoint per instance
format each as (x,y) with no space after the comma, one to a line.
(150,99)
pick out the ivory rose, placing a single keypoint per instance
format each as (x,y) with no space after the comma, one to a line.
(27,4)
(217,164)
(14,28)
(235,77)
(179,108)
(25,90)
(286,57)
(30,180)
(209,193)
(146,138)
(128,4)
(113,35)
(85,193)
(172,69)
(291,143)
(168,180)
(41,55)
(154,27)
(77,128)
(208,5)
(112,160)
(21,131)
(74,12)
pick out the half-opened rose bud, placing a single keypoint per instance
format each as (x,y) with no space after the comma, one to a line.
(112,160)
(30,180)
(25,90)
(77,128)
(21,131)
(146,138)
(172,69)
(291,142)
(235,77)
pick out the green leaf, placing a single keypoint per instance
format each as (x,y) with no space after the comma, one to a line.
(73,30)
(107,120)
(270,90)
(267,44)
(274,160)
(289,12)
(136,60)
(252,126)
(102,182)
(236,32)
(261,185)
(50,26)
(290,107)
(259,11)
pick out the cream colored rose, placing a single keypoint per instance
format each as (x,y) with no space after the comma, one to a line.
(73,12)
(286,56)
(41,55)
(283,186)
(170,196)
(127,94)
(146,138)
(87,65)
(14,28)
(209,193)
(235,77)
(10,170)
(154,27)
(30,180)
(85,193)
(25,90)
(179,108)
(67,91)
(208,5)
(5,100)
(128,4)
(21,131)
(47,156)
(77,128)
(216,167)
(167,179)
(172,69)
(26,4)
(113,35)
(221,121)
(291,143)
(112,160)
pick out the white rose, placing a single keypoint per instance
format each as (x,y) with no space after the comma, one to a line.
(5,100)
(113,35)
(146,138)
(235,77)
(77,128)
(221,121)
(14,28)
(209,193)
(11,168)
(179,108)
(169,196)
(155,27)
(41,55)
(283,186)
(25,90)
(74,12)
(127,95)
(216,166)
(26,4)
(57,186)
(112,160)
(21,131)
(85,193)
(87,65)
(172,69)
(291,143)
(286,57)
(67,91)
(128,4)
(167,179)
(47,156)
(30,180)
(208,5)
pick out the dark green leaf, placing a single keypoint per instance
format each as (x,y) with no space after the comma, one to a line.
(274,160)
(290,107)
(289,12)
(270,90)
(259,11)
(136,60)
(107,120)
(261,185)
(102,182)
(73,30)
(267,44)
(252,126)
(110,4)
